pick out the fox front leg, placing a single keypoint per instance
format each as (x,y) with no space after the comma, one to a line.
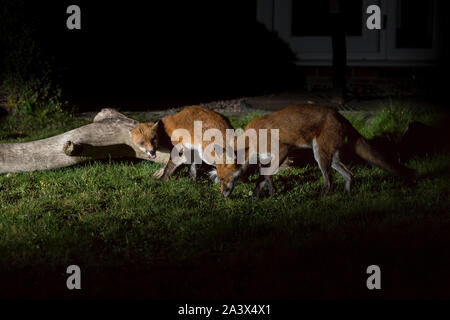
(166,172)
(170,168)
(270,184)
(260,184)
(158,173)
(193,171)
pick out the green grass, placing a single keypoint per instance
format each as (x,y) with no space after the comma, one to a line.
(180,238)
(241,121)
(394,117)
(25,127)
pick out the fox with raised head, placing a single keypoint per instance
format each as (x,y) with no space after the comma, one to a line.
(320,128)
(152,137)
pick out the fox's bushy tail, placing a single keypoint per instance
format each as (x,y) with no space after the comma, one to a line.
(369,153)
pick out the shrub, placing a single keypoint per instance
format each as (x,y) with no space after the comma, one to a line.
(28,74)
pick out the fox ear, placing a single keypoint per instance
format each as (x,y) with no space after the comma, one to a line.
(155,125)
(137,127)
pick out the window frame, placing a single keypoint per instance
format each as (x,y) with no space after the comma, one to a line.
(374,47)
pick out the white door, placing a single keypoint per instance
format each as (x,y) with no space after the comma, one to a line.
(305,27)
(413,30)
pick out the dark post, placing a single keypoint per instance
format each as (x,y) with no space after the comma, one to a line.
(339,52)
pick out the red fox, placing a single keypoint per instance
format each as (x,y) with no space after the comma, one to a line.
(321,128)
(150,137)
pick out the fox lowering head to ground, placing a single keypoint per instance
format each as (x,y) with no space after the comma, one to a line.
(320,128)
(178,131)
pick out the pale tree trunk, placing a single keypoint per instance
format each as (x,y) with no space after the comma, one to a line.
(107,137)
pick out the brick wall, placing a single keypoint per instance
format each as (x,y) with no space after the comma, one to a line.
(376,81)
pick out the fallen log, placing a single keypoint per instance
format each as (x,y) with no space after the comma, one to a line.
(107,137)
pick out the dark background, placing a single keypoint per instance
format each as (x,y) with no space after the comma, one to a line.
(144,55)
(160,54)
(147,54)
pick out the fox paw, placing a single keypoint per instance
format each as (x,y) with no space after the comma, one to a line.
(158,174)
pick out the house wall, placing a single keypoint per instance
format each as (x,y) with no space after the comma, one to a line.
(375,81)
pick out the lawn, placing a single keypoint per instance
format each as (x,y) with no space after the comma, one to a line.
(135,236)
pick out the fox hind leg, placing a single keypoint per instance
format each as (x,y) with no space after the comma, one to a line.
(343,170)
(324,161)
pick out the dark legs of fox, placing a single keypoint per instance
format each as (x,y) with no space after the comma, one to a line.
(261,183)
(171,166)
(167,171)
(264,180)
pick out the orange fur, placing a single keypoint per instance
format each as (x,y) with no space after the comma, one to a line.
(326,131)
(154,136)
